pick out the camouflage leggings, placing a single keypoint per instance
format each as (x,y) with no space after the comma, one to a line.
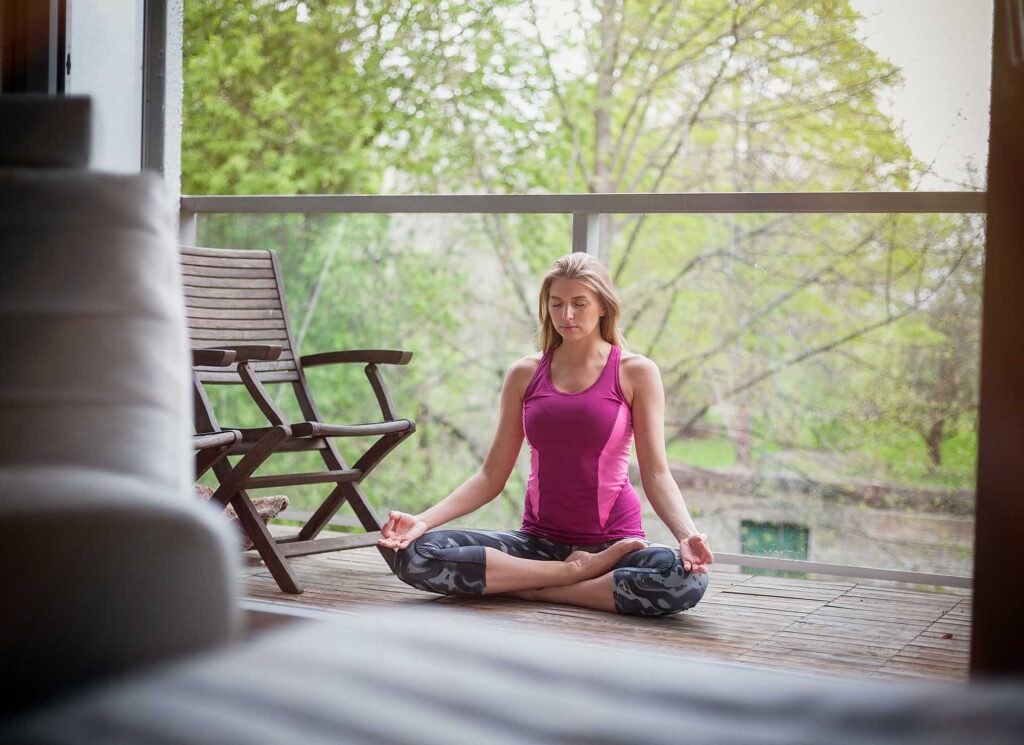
(647,582)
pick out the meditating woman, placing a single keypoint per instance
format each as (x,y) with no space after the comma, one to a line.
(580,404)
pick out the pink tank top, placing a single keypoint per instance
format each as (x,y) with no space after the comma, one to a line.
(579,491)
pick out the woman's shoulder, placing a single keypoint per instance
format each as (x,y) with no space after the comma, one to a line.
(636,364)
(521,372)
(635,371)
(527,364)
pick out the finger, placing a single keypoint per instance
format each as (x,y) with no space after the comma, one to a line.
(394,518)
(702,550)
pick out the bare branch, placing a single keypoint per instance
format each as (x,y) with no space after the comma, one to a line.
(828,346)
(567,119)
(776,302)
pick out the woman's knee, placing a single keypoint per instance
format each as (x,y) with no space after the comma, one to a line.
(658,593)
(429,564)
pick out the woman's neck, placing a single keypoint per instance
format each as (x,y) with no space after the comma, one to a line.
(583,351)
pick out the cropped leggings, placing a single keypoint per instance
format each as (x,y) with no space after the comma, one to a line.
(647,582)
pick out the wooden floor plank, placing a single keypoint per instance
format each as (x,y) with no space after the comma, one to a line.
(832,627)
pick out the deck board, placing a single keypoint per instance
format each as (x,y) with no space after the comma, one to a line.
(832,627)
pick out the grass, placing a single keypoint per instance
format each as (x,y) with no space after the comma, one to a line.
(897,459)
(704,453)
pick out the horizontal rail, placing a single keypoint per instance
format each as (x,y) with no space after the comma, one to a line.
(842,570)
(693,203)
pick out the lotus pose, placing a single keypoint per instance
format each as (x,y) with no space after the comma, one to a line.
(580,403)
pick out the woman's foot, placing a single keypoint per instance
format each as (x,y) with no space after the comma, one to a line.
(589,566)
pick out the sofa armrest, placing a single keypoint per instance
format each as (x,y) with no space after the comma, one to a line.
(111,578)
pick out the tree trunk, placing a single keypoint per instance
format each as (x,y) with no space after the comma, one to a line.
(742,438)
(601,180)
(933,439)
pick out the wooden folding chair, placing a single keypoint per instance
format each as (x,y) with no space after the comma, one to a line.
(235,301)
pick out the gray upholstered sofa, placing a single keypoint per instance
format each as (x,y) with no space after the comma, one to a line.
(120,606)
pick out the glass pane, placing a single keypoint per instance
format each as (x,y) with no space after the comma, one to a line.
(783,540)
(820,371)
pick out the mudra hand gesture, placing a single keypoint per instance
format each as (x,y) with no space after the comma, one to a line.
(400,530)
(694,552)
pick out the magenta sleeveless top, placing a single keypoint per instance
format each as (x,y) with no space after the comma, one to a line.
(579,491)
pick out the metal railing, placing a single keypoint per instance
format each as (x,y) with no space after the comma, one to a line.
(586,211)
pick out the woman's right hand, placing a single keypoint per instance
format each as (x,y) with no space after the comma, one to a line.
(401,529)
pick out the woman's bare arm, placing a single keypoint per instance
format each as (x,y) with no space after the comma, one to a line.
(648,396)
(485,484)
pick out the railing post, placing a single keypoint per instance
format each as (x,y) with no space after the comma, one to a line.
(186,228)
(586,230)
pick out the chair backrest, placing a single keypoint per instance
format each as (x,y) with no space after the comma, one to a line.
(236,298)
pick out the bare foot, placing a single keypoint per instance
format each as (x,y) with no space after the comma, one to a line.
(594,565)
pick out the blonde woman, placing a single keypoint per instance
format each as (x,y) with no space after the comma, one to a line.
(580,404)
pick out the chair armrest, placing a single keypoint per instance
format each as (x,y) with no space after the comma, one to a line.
(372,358)
(213,357)
(256,353)
(365,356)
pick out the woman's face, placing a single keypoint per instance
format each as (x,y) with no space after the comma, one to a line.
(574,309)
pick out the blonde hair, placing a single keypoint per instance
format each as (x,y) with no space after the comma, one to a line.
(592,273)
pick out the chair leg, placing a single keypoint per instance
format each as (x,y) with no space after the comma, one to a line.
(231,479)
(230,490)
(265,544)
(350,492)
(323,514)
(207,459)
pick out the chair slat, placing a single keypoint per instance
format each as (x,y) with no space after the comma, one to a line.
(225,253)
(219,378)
(220,293)
(188,270)
(235,282)
(256,261)
(275,366)
(235,323)
(234,314)
(242,303)
(250,336)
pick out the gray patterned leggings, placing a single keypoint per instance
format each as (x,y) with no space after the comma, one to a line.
(647,582)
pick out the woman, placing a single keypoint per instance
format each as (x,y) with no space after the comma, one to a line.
(579,404)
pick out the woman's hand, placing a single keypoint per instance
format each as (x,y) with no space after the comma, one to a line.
(694,552)
(400,530)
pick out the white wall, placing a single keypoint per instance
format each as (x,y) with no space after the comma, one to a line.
(106,64)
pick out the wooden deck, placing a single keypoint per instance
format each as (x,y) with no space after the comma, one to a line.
(833,627)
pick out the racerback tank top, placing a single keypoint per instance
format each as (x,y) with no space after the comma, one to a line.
(579,491)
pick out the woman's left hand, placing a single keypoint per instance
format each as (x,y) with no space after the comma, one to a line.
(694,552)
